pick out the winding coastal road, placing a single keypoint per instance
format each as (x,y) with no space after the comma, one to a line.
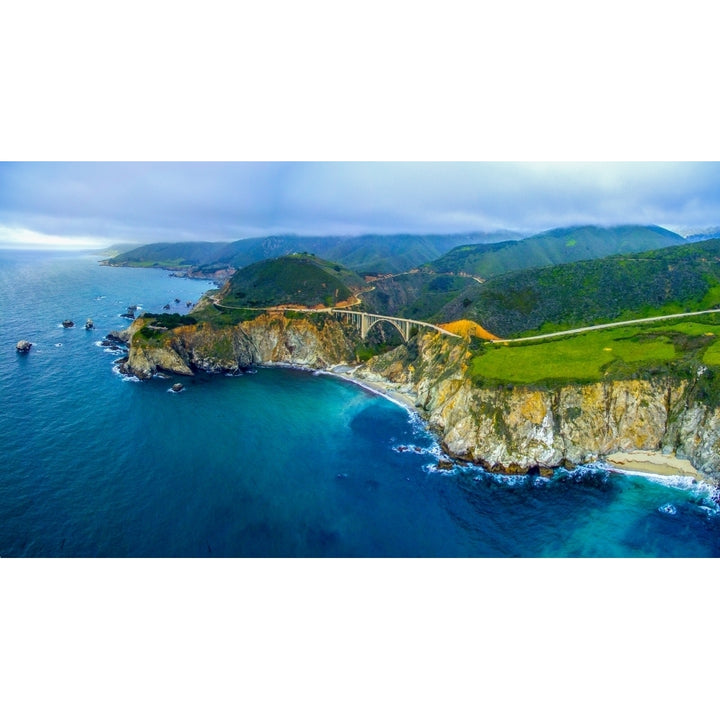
(500,341)
(604,326)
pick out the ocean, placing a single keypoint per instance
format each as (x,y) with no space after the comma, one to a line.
(278,462)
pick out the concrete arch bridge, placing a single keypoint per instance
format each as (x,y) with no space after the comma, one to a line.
(365,321)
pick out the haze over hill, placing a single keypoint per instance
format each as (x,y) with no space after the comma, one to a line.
(378,254)
(559,245)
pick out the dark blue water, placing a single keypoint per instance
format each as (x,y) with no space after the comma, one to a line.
(277,463)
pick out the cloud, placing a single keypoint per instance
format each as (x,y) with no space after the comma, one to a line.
(223,201)
(11,237)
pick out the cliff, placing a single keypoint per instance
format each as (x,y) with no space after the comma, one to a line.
(520,429)
(266,339)
(509,429)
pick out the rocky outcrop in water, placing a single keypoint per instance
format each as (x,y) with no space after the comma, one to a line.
(23,346)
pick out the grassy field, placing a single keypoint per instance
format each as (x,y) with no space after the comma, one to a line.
(616,352)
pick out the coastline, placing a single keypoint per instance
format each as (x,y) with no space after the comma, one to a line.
(660,467)
(387,390)
(653,462)
(653,465)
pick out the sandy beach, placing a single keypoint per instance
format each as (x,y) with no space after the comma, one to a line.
(346,372)
(653,463)
(643,462)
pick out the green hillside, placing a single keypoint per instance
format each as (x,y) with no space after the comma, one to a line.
(417,295)
(561,245)
(676,279)
(688,349)
(170,255)
(379,254)
(300,279)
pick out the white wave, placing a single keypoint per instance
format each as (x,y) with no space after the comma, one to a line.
(412,450)
(432,468)
(123,376)
(508,480)
(688,483)
(668,509)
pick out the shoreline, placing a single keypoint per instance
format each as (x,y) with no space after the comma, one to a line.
(653,462)
(347,372)
(652,465)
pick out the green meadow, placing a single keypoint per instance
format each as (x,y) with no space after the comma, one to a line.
(613,353)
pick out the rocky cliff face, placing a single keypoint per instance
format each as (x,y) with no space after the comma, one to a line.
(267,339)
(518,429)
(505,429)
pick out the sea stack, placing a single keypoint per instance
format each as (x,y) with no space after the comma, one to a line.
(89,324)
(68,323)
(177,387)
(23,346)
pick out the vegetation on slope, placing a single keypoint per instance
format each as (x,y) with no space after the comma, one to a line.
(171,255)
(379,254)
(300,279)
(677,279)
(682,349)
(416,295)
(561,245)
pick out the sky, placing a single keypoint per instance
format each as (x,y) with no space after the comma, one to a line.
(95,204)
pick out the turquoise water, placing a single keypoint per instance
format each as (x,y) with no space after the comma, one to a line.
(275,463)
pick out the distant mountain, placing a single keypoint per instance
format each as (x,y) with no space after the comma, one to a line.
(670,280)
(170,255)
(707,234)
(300,279)
(372,254)
(560,245)
(117,248)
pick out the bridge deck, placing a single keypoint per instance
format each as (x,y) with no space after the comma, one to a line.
(371,318)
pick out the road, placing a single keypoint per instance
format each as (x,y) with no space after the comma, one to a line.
(604,326)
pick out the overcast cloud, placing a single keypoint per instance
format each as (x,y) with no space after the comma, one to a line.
(83,204)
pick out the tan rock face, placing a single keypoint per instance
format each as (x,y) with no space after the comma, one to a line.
(263,340)
(511,429)
(519,428)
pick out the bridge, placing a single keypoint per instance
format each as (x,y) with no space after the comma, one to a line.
(362,320)
(365,321)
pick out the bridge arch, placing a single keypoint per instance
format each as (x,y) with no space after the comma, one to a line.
(402,327)
(364,321)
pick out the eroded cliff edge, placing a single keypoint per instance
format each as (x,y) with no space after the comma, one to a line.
(520,429)
(505,429)
(271,338)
